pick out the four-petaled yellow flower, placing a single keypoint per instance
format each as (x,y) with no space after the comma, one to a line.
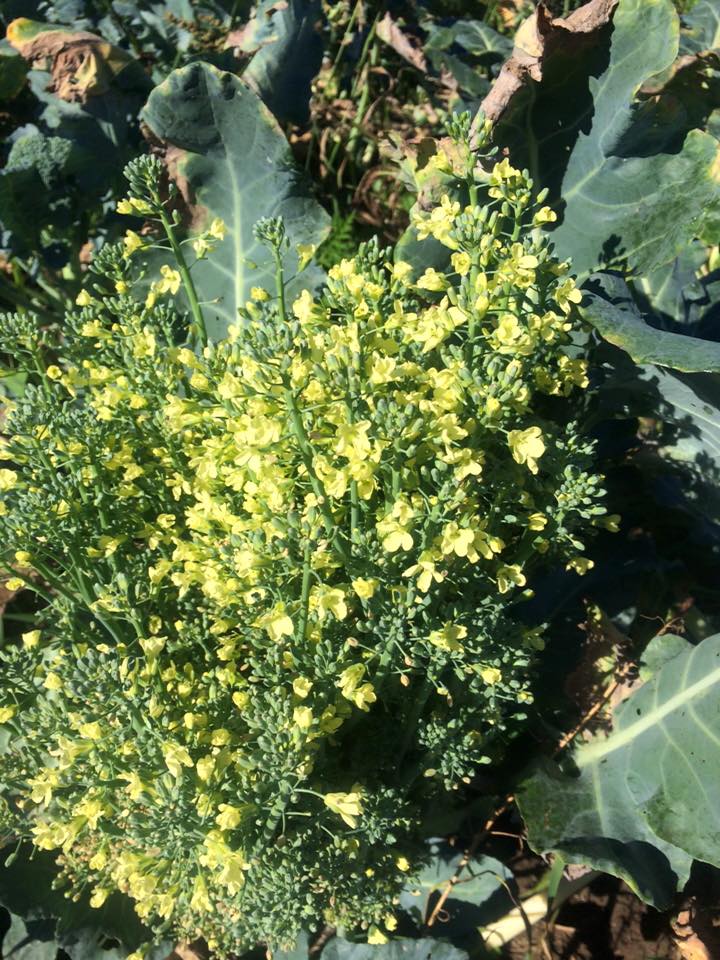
(176,757)
(303,717)
(509,576)
(229,816)
(131,242)
(527,446)
(491,675)
(449,637)
(432,280)
(276,623)
(8,479)
(348,806)
(170,282)
(329,600)
(365,587)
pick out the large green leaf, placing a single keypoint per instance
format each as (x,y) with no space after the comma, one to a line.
(482,878)
(620,202)
(288,55)
(542,99)
(231,160)
(644,801)
(23,943)
(13,71)
(702,28)
(41,940)
(470,50)
(682,461)
(691,406)
(609,306)
(675,293)
(400,949)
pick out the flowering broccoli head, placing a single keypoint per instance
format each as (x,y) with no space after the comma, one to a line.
(279,571)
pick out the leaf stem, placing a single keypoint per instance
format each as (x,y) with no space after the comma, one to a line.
(280,284)
(305,593)
(198,319)
(318,489)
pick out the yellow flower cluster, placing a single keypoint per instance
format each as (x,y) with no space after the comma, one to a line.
(263,548)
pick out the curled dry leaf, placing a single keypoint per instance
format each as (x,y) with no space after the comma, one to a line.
(538,39)
(189,951)
(391,34)
(81,64)
(689,944)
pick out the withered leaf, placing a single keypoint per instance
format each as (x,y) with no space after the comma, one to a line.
(81,64)
(538,39)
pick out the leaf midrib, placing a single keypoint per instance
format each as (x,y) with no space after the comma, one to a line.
(626,735)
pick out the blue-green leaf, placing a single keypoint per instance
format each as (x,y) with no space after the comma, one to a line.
(644,801)
(231,160)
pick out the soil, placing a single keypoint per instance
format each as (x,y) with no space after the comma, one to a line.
(605,921)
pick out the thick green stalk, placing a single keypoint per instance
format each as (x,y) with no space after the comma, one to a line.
(198,319)
(280,285)
(318,489)
(304,594)
(354,499)
(301,436)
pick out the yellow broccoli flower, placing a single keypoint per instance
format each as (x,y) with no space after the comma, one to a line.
(509,576)
(329,600)
(170,282)
(432,280)
(491,675)
(527,446)
(8,479)
(217,229)
(303,717)
(229,816)
(365,587)
(276,623)
(449,637)
(461,263)
(131,242)
(176,757)
(348,806)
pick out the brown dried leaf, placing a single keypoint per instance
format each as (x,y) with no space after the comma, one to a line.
(390,33)
(510,11)
(689,944)
(189,951)
(538,39)
(81,64)
(605,650)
